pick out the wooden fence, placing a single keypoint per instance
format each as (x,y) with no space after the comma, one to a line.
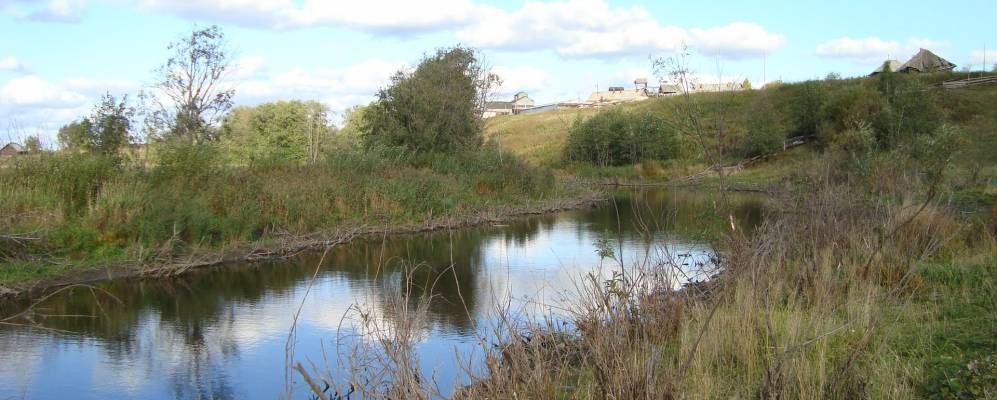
(961,83)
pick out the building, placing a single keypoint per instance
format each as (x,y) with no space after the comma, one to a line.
(11,149)
(617,95)
(923,62)
(894,65)
(520,101)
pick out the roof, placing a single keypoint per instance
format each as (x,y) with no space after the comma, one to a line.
(617,96)
(894,66)
(640,81)
(13,146)
(498,105)
(669,88)
(520,95)
(926,61)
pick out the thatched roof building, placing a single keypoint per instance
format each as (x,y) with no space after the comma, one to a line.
(11,149)
(926,61)
(893,64)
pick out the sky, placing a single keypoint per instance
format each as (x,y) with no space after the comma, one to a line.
(58,56)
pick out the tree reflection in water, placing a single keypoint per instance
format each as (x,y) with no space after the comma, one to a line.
(220,332)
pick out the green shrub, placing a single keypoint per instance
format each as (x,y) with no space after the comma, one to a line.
(617,137)
(764,134)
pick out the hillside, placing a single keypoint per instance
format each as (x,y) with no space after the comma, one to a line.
(540,138)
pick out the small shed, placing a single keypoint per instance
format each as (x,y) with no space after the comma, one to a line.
(926,61)
(11,149)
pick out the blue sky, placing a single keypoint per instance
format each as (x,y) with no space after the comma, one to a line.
(57,56)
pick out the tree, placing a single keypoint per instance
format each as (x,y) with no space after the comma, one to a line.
(746,85)
(437,107)
(191,84)
(105,130)
(111,123)
(33,144)
(278,131)
(75,135)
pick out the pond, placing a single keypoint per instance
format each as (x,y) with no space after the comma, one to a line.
(222,332)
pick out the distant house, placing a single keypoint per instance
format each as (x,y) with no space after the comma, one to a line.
(926,61)
(923,62)
(894,65)
(11,149)
(520,101)
(617,95)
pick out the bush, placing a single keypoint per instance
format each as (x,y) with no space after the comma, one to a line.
(617,137)
(764,134)
(434,108)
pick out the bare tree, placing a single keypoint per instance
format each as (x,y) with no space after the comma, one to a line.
(193,96)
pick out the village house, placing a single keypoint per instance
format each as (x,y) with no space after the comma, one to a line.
(11,149)
(520,101)
(923,62)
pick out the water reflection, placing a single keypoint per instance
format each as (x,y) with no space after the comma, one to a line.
(220,332)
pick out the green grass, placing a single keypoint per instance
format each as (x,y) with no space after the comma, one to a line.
(86,210)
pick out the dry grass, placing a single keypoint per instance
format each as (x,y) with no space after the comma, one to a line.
(804,308)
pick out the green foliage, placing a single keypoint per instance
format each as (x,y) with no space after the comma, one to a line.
(276,132)
(764,135)
(192,79)
(107,130)
(33,144)
(849,108)
(618,137)
(75,135)
(805,103)
(435,108)
(74,179)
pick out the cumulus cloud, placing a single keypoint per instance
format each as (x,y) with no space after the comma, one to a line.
(873,49)
(338,88)
(12,64)
(520,78)
(584,28)
(32,91)
(591,28)
(978,57)
(374,15)
(50,10)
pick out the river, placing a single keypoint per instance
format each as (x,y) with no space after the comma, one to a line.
(221,332)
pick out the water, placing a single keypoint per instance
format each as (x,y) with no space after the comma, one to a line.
(221,332)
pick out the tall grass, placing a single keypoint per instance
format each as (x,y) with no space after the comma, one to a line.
(93,206)
(824,300)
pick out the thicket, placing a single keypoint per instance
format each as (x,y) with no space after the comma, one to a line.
(618,137)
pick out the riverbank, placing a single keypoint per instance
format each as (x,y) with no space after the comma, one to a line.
(66,213)
(287,246)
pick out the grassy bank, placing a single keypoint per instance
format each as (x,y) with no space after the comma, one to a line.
(66,211)
(874,276)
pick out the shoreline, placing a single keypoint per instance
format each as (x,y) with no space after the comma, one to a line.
(287,247)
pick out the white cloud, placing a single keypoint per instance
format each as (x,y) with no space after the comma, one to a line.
(374,15)
(588,28)
(338,88)
(50,10)
(247,67)
(874,49)
(591,28)
(521,78)
(12,64)
(977,57)
(31,91)
(736,40)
